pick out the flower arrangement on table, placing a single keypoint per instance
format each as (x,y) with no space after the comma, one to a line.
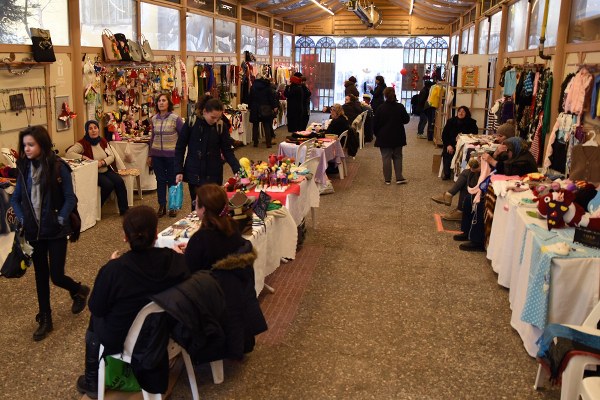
(274,175)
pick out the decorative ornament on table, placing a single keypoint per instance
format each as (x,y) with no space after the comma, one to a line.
(560,209)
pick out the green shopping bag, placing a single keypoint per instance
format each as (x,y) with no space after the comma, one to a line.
(119,376)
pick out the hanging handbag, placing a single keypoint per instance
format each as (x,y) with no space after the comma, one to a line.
(134,50)
(123,47)
(111,49)
(17,261)
(43,51)
(147,53)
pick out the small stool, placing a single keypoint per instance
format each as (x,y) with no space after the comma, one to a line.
(589,388)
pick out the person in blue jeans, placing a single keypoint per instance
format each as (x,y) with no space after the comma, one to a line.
(166,128)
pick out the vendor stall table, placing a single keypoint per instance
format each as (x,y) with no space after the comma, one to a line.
(543,288)
(85,184)
(331,151)
(274,240)
(140,156)
(465,144)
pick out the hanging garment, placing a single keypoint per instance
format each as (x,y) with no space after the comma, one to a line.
(510,82)
(580,92)
(564,124)
(563,92)
(536,144)
(585,163)
(595,105)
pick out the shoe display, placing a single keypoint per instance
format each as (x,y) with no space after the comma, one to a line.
(454,215)
(444,198)
(162,210)
(471,246)
(80,299)
(172,213)
(401,181)
(461,237)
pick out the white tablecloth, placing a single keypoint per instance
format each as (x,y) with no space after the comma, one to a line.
(300,205)
(140,155)
(575,282)
(272,242)
(85,184)
(331,152)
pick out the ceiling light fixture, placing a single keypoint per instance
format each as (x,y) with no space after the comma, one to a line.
(412,4)
(322,6)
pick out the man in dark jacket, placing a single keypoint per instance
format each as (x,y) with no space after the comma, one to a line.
(350,87)
(263,108)
(390,135)
(207,143)
(426,112)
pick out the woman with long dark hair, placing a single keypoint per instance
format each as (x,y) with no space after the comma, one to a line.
(377,93)
(43,200)
(461,123)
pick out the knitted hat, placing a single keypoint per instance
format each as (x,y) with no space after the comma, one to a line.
(507,129)
(352,79)
(366,96)
(88,123)
(298,74)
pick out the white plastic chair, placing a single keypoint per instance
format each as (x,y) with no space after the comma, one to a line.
(307,146)
(112,197)
(312,164)
(343,167)
(573,373)
(590,388)
(359,125)
(128,178)
(125,356)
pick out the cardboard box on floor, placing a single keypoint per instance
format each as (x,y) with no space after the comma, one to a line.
(174,373)
(435,165)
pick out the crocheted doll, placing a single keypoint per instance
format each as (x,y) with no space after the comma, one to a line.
(560,209)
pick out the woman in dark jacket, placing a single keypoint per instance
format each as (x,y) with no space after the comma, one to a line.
(390,136)
(352,108)
(377,93)
(306,93)
(462,123)
(339,121)
(218,246)
(42,201)
(207,141)
(263,107)
(295,104)
(123,287)
(350,87)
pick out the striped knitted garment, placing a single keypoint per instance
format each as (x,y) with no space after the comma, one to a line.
(164,135)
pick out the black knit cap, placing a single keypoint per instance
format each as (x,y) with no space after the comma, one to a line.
(298,74)
(88,123)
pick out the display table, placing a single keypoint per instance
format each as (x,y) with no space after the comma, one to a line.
(331,151)
(85,185)
(465,144)
(543,288)
(140,157)
(272,242)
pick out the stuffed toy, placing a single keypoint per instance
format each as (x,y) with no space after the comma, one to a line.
(560,209)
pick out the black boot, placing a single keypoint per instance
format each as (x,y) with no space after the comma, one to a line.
(45,327)
(88,383)
(80,299)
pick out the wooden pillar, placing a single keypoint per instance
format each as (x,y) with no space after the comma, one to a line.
(76,70)
(183,49)
(501,50)
(476,28)
(559,58)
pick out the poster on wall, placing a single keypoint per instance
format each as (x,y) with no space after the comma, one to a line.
(470,78)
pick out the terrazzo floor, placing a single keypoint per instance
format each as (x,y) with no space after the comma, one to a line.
(377,305)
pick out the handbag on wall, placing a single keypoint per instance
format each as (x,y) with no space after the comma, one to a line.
(147,53)
(134,50)
(123,47)
(111,49)
(43,51)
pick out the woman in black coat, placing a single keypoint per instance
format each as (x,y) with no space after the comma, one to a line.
(339,122)
(390,136)
(295,105)
(462,123)
(377,93)
(208,143)
(263,107)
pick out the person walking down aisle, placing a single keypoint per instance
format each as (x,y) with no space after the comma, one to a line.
(122,288)
(263,107)
(166,127)
(462,123)
(350,87)
(295,104)
(42,201)
(206,142)
(426,112)
(390,136)
(94,147)
(377,93)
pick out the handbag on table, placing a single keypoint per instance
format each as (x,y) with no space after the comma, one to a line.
(43,51)
(109,43)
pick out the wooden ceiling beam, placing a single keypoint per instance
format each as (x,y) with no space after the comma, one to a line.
(276,6)
(314,15)
(251,3)
(300,10)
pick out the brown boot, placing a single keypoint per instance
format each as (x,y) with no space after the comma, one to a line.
(454,215)
(444,198)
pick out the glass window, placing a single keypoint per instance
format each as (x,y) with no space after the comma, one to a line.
(199,33)
(205,5)
(248,39)
(262,42)
(471,39)
(227,9)
(18,16)
(585,21)
(495,33)
(454,44)
(517,23)
(277,44)
(96,15)
(160,25)
(484,34)
(287,45)
(224,36)
(464,45)
(535,23)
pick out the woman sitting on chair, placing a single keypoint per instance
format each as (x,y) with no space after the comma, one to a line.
(339,121)
(94,147)
(123,287)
